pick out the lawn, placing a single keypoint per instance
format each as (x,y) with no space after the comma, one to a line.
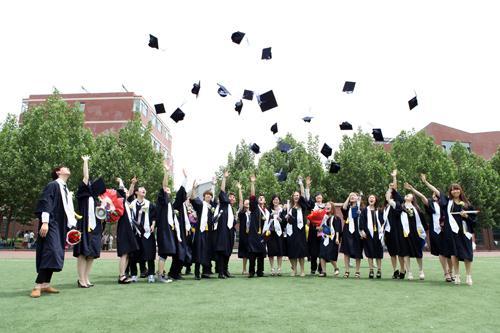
(268,304)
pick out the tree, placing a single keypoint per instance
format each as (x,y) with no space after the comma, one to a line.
(495,161)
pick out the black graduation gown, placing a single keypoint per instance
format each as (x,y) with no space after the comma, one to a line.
(147,246)
(296,244)
(275,246)
(126,241)
(351,243)
(436,240)
(183,249)
(202,253)
(90,243)
(313,241)
(372,245)
(256,243)
(330,252)
(243,235)
(165,235)
(50,249)
(391,238)
(457,244)
(223,234)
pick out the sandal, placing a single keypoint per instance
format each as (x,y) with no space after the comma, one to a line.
(357,275)
(447,277)
(371,275)
(346,275)
(379,274)
(322,274)
(122,279)
(336,272)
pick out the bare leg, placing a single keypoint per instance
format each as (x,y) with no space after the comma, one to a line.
(442,261)
(88,268)
(301,263)
(245,265)
(420,264)
(346,263)
(379,264)
(280,262)
(402,267)
(81,267)
(370,264)
(323,265)
(468,267)
(293,262)
(161,265)
(123,264)
(394,262)
(358,264)
(271,263)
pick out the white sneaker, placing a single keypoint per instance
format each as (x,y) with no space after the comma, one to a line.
(422,275)
(410,276)
(272,272)
(469,280)
(457,279)
(151,279)
(162,279)
(133,278)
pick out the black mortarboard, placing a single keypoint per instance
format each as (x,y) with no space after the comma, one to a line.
(255,148)
(222,91)
(178,115)
(326,150)
(159,108)
(377,134)
(153,42)
(345,126)
(238,106)
(413,102)
(98,187)
(334,167)
(349,87)
(248,94)
(281,175)
(196,88)
(237,37)
(267,101)
(307,119)
(266,54)
(274,128)
(284,147)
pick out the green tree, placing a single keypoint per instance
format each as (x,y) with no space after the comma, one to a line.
(495,161)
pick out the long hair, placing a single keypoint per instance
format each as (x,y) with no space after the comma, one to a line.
(271,205)
(365,203)
(463,197)
(332,204)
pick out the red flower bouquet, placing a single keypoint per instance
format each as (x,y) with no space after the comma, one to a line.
(73,237)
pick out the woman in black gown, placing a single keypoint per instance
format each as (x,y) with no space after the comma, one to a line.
(331,227)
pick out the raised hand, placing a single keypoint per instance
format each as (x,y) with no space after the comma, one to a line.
(134,180)
(308,181)
(394,173)
(252,178)
(226,174)
(85,158)
(423,177)
(184,173)
(119,180)
(408,186)
(238,185)
(166,167)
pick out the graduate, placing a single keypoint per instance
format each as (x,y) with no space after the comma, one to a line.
(55,213)
(202,252)
(166,232)
(296,242)
(224,218)
(90,227)
(144,217)
(126,240)
(259,216)
(436,234)
(243,229)
(459,223)
(351,243)
(330,233)
(273,232)
(183,229)
(314,221)
(371,235)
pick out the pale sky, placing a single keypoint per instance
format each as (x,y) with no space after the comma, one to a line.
(446,51)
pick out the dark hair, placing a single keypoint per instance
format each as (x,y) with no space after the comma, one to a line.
(463,197)
(55,171)
(208,192)
(274,196)
(368,204)
(231,193)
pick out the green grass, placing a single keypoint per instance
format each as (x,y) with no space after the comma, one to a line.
(268,304)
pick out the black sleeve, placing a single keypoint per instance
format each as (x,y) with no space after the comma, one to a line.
(197,205)
(397,197)
(253,203)
(223,198)
(153,212)
(83,191)
(423,220)
(163,198)
(180,197)
(363,220)
(303,203)
(429,209)
(46,202)
(345,212)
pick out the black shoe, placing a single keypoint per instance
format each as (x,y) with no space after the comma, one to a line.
(395,275)
(370,276)
(205,276)
(251,275)
(260,275)
(221,276)
(228,275)
(379,274)
(197,277)
(402,275)
(90,285)
(123,280)
(144,275)
(187,272)
(80,285)
(313,272)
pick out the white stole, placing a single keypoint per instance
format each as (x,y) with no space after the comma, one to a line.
(276,222)
(145,211)
(406,223)
(177,228)
(91,214)
(300,218)
(350,221)
(369,220)
(170,216)
(68,206)
(387,224)
(435,218)
(204,217)
(328,220)
(187,223)
(247,222)
(267,221)
(451,218)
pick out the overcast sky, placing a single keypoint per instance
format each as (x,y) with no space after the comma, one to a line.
(446,51)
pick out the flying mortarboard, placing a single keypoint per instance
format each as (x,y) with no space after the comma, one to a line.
(255,148)
(267,101)
(159,108)
(345,126)
(281,175)
(307,119)
(196,88)
(326,150)
(412,103)
(334,167)
(377,134)
(349,87)
(284,147)
(98,187)
(266,54)
(248,94)
(238,106)
(153,42)
(237,37)
(222,91)
(177,115)
(274,128)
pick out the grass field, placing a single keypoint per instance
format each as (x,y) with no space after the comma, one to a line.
(269,304)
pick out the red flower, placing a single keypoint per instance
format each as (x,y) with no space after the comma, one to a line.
(73,237)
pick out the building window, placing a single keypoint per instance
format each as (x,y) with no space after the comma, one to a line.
(81,106)
(24,106)
(158,126)
(140,106)
(153,122)
(448,144)
(165,154)
(137,105)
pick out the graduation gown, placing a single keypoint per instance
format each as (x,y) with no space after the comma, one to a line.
(457,243)
(275,246)
(393,228)
(147,245)
(330,251)
(183,252)
(436,239)
(165,233)
(126,241)
(351,242)
(315,220)
(202,253)
(223,234)
(372,245)
(243,234)
(296,243)
(256,242)
(90,243)
(50,249)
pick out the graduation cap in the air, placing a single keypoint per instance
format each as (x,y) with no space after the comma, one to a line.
(281,175)
(238,106)
(266,54)
(255,148)
(326,150)
(159,108)
(237,37)
(345,126)
(349,87)
(413,102)
(274,128)
(222,91)
(98,187)
(284,147)
(377,134)
(177,115)
(334,167)
(267,101)
(196,88)
(248,94)
(153,42)
(307,119)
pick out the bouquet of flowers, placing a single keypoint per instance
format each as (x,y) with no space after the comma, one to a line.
(73,237)
(113,205)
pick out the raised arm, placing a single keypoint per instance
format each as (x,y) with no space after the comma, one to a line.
(193,190)
(165,177)
(240,194)
(213,185)
(394,175)
(308,188)
(417,193)
(130,192)
(301,184)
(252,185)
(388,196)
(429,185)
(345,205)
(85,159)
(223,183)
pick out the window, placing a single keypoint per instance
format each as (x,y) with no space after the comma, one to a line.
(158,126)
(448,144)
(153,121)
(81,106)
(165,154)
(140,106)
(24,106)
(137,105)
